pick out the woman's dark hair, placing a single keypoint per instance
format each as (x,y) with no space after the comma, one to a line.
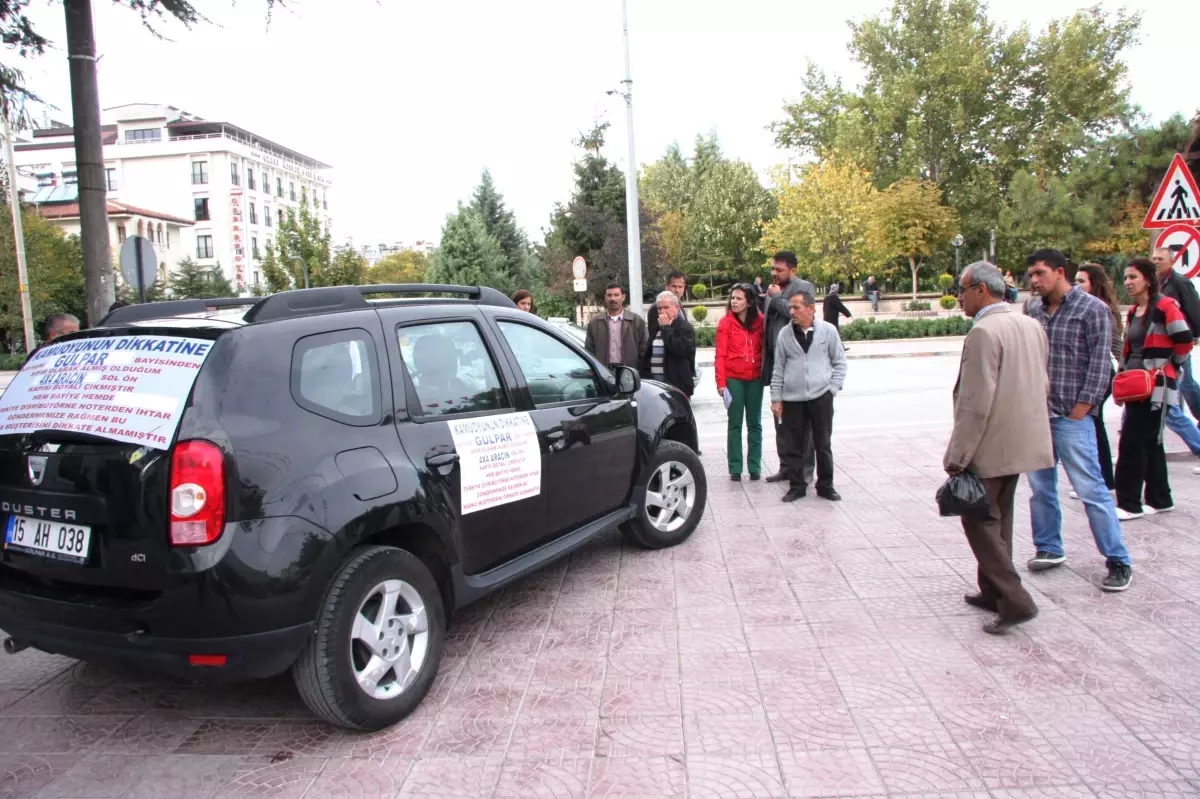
(751,304)
(524,294)
(1103,289)
(1150,272)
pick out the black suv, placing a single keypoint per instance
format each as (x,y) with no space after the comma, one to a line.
(349,465)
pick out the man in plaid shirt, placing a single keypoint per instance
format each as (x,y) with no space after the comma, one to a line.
(1079,328)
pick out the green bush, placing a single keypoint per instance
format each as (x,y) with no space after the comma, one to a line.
(876,330)
(699,291)
(948,302)
(706,336)
(700,313)
(917,305)
(11,361)
(945,282)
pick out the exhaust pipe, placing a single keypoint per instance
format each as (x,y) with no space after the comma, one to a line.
(12,646)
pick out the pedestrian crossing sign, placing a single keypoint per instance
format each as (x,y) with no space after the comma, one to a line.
(1177,200)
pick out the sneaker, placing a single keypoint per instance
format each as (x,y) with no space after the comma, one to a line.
(1045,560)
(1151,511)
(1196,470)
(1126,516)
(1119,577)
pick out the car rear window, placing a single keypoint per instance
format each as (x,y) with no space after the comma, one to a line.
(128,388)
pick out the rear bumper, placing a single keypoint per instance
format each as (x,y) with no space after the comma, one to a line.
(248,657)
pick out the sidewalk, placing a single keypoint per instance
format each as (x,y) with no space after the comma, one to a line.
(888,348)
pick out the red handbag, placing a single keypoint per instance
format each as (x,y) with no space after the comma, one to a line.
(1134,385)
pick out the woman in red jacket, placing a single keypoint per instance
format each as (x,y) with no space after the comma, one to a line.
(739,369)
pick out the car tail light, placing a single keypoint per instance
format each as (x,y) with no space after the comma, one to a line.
(197,493)
(211,661)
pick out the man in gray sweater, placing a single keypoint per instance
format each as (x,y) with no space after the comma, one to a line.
(776,312)
(809,371)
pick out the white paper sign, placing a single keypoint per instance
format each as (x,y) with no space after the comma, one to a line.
(128,388)
(499,460)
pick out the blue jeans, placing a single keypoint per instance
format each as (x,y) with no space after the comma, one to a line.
(1189,390)
(1075,449)
(1179,424)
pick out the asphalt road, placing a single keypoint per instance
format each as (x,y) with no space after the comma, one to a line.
(881,395)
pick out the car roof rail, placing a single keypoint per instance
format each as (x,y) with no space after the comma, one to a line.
(145,311)
(330,299)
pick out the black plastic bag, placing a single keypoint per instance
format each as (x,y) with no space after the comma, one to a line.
(962,494)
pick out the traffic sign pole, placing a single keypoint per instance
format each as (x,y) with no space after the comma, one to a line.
(141,282)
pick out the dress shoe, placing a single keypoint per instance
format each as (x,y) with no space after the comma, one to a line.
(755,478)
(778,477)
(737,478)
(1002,626)
(978,601)
(830,495)
(794,494)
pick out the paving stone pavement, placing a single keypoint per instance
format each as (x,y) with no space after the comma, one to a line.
(813,650)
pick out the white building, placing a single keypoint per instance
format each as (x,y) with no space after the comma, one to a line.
(164,164)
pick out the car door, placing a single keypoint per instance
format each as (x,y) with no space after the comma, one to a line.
(452,396)
(589,431)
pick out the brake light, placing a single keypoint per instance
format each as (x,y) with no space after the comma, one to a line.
(197,493)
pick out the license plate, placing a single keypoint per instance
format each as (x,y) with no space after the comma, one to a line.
(54,540)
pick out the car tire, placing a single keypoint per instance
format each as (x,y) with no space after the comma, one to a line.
(659,520)
(356,637)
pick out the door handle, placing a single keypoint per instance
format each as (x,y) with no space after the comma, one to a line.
(437,460)
(556,435)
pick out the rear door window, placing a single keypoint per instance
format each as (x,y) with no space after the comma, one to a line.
(335,375)
(451,369)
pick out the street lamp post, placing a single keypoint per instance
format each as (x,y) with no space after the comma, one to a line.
(631,186)
(303,268)
(14,189)
(958,241)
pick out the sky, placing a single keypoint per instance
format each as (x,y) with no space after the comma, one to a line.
(409,101)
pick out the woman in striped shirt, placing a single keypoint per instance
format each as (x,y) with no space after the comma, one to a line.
(1158,339)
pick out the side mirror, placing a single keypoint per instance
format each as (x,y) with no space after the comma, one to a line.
(628,379)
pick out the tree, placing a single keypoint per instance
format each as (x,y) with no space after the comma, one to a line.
(1045,214)
(710,211)
(592,224)
(909,220)
(951,97)
(348,269)
(191,281)
(302,236)
(501,224)
(469,256)
(406,266)
(55,266)
(824,217)
(156,292)
(275,276)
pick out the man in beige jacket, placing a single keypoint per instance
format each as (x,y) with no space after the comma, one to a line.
(1001,431)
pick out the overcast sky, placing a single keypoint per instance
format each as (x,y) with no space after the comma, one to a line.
(410,100)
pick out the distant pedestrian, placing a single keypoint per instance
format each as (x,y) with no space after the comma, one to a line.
(617,336)
(739,377)
(776,317)
(1010,283)
(871,293)
(1001,431)
(672,349)
(1079,329)
(809,371)
(59,325)
(1094,280)
(833,309)
(523,299)
(1157,339)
